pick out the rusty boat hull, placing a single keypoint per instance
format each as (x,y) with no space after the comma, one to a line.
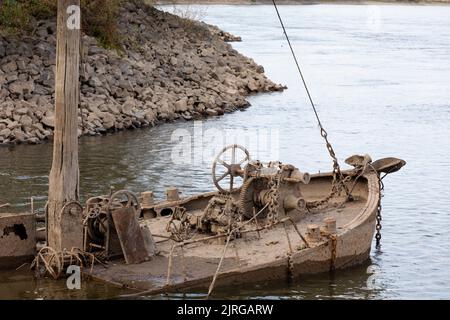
(261,254)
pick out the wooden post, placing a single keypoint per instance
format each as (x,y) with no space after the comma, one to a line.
(63,231)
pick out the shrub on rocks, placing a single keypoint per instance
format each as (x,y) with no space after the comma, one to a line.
(99,17)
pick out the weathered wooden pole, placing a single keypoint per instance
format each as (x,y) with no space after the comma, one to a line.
(63,231)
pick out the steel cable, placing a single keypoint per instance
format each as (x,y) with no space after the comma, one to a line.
(336,168)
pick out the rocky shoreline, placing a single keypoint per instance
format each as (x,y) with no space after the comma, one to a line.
(170,68)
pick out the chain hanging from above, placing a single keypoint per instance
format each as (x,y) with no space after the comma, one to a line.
(379,218)
(338,178)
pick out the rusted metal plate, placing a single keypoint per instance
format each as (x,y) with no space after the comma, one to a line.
(388,165)
(17,239)
(72,228)
(149,242)
(129,232)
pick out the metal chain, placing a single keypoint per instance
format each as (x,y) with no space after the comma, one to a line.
(379,217)
(335,191)
(273,199)
(182,231)
(333,239)
(338,179)
(290,264)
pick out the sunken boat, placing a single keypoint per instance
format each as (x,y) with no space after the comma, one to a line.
(266,221)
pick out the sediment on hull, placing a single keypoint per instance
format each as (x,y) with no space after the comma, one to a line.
(275,253)
(236,278)
(275,273)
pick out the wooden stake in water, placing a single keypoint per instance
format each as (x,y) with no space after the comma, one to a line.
(64,175)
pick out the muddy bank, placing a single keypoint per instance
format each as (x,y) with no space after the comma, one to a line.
(170,68)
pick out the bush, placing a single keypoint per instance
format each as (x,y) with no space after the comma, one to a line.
(99,17)
(11,15)
(17,15)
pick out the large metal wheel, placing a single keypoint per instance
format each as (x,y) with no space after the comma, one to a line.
(124,199)
(96,219)
(233,168)
(249,204)
(98,209)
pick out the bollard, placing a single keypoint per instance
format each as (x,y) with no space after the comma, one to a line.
(330,225)
(172,194)
(147,199)
(313,233)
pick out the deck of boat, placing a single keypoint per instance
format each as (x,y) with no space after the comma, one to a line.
(196,264)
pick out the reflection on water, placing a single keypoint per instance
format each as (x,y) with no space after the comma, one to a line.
(22,285)
(382,91)
(352,283)
(347,284)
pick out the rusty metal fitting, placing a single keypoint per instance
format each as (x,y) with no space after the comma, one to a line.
(303,177)
(330,225)
(147,198)
(292,202)
(313,233)
(172,194)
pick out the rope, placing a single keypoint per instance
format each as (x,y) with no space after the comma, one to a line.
(336,168)
(54,261)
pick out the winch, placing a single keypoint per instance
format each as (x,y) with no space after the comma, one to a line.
(111,228)
(274,188)
(271,191)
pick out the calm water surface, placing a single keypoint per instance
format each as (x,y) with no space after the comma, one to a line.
(381,79)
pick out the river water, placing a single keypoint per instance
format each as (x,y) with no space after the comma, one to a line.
(380,76)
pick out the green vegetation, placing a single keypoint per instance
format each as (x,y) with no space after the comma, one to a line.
(99,17)
(18,15)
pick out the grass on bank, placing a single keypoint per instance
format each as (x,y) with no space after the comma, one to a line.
(99,17)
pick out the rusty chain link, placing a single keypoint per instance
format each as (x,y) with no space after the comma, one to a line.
(379,217)
(333,240)
(290,264)
(181,230)
(338,178)
(273,199)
